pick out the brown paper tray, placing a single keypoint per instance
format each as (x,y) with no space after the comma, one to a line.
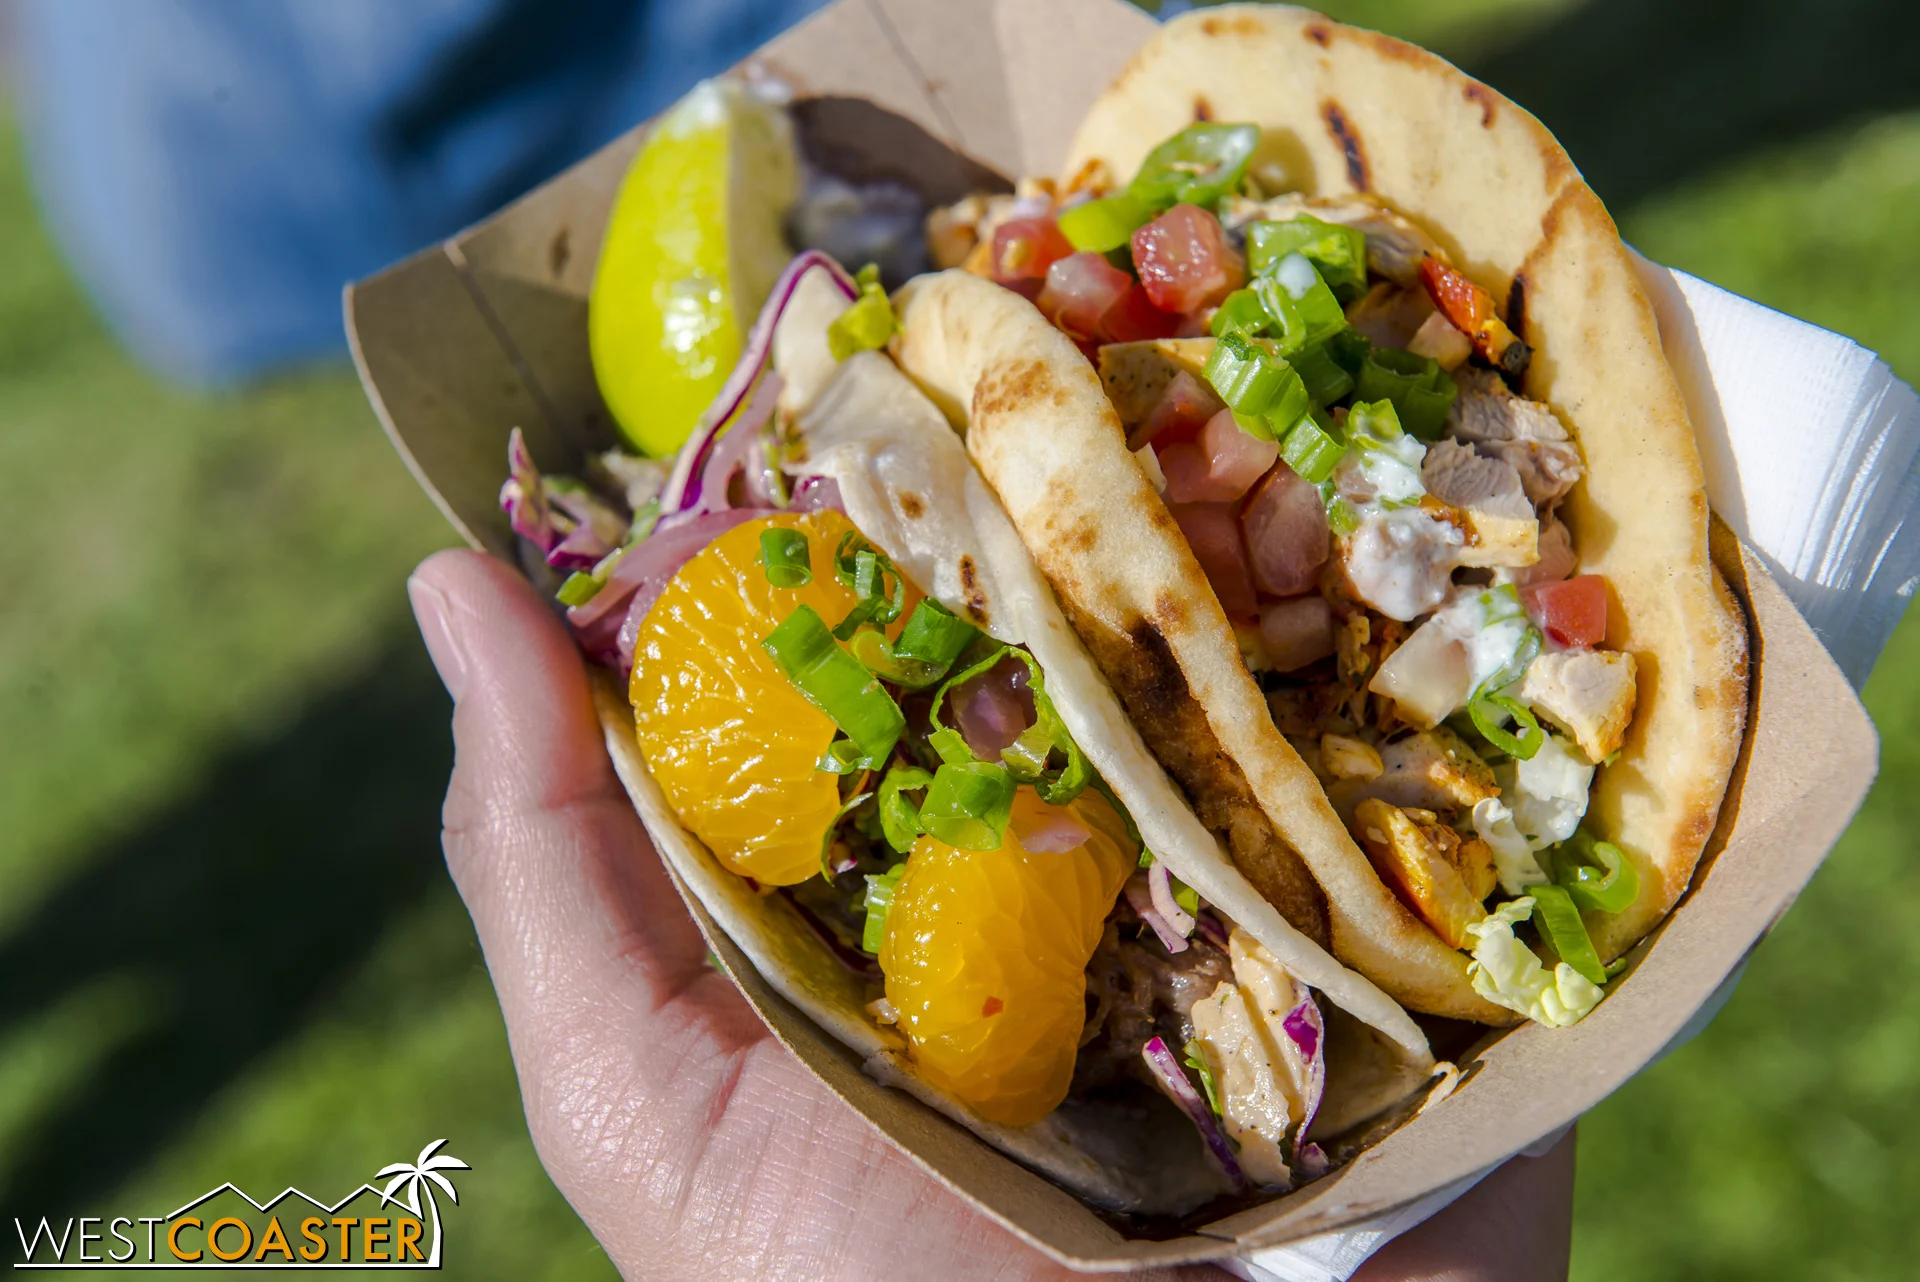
(466,340)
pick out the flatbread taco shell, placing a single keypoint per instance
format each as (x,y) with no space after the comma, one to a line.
(468,339)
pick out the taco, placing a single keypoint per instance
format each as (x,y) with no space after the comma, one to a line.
(1356,463)
(864,737)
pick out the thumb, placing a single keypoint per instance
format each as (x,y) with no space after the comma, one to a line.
(568,897)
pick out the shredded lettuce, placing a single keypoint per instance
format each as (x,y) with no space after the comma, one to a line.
(1513,859)
(1506,973)
(1548,792)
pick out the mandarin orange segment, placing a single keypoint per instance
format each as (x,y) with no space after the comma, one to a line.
(732,743)
(985,958)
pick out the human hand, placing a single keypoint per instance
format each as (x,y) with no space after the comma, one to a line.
(686,1137)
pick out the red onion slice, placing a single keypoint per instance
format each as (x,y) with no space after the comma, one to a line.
(1160,885)
(817,494)
(1141,899)
(734,448)
(654,560)
(1173,1083)
(524,499)
(684,486)
(1307,1030)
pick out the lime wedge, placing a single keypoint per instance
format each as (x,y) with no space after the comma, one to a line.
(692,249)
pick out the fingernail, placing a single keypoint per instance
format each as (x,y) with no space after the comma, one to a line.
(430,610)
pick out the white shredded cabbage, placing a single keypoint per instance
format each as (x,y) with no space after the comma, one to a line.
(1513,860)
(1506,973)
(1548,792)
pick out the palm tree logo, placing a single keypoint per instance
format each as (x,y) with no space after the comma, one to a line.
(415,1176)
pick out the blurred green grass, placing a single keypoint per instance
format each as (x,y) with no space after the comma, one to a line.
(199,583)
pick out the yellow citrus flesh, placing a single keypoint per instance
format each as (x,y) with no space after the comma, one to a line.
(731,741)
(985,958)
(693,246)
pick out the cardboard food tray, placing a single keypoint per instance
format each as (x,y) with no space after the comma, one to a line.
(469,339)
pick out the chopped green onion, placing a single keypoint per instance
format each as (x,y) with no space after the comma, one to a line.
(1373,421)
(1186,896)
(1615,966)
(1197,1060)
(844,757)
(867,572)
(784,556)
(1103,225)
(1197,166)
(1560,922)
(1342,517)
(847,807)
(1296,298)
(899,817)
(934,635)
(836,683)
(866,325)
(880,888)
(1609,888)
(967,805)
(1326,381)
(882,658)
(1247,378)
(1421,391)
(1486,710)
(1310,452)
(1338,253)
(1240,312)
(579,588)
(1029,756)
(644,520)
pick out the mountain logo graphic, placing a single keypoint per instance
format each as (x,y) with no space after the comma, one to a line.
(282,1232)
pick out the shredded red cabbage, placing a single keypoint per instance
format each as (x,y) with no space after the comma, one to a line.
(524,498)
(1306,1029)
(1173,1083)
(685,488)
(733,450)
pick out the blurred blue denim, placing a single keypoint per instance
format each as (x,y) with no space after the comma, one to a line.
(216,170)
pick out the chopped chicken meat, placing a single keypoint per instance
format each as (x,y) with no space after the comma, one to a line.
(1557,560)
(1432,770)
(1390,316)
(1458,475)
(1426,864)
(1588,693)
(1438,338)
(1523,433)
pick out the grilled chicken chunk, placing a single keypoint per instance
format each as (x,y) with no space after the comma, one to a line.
(1588,693)
(1432,770)
(1522,433)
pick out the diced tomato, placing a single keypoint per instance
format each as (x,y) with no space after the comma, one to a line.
(1213,532)
(1573,612)
(1219,466)
(1297,631)
(1286,529)
(1133,318)
(1184,260)
(1024,248)
(1177,417)
(1080,289)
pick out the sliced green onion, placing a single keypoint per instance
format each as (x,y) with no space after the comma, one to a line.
(899,817)
(844,757)
(1338,253)
(1560,922)
(880,888)
(1485,711)
(1615,966)
(1310,452)
(784,556)
(644,520)
(1103,225)
(1240,312)
(1326,381)
(866,325)
(1247,378)
(1029,756)
(847,807)
(1296,297)
(1373,421)
(934,635)
(579,588)
(1609,888)
(1342,517)
(1186,896)
(1197,1061)
(868,573)
(836,683)
(1198,166)
(967,806)
(1421,391)
(882,658)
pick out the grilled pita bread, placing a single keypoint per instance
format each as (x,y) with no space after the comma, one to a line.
(1348,111)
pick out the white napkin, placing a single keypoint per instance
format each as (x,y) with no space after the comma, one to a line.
(1812,454)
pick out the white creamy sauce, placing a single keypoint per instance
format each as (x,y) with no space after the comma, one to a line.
(1547,792)
(1454,653)
(1378,476)
(1513,860)
(1296,276)
(1401,562)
